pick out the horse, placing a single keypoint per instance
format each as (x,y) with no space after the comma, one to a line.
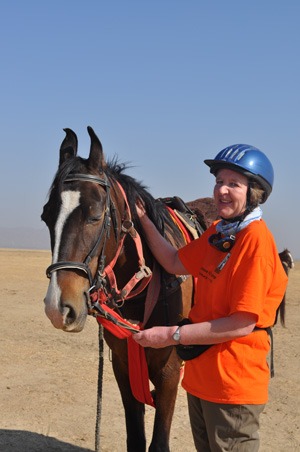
(101,265)
(287,263)
(286,260)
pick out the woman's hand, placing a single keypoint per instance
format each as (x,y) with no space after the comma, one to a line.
(140,208)
(163,251)
(156,337)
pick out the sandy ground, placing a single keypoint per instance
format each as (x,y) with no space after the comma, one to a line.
(49,378)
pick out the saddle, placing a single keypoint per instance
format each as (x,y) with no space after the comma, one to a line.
(194,224)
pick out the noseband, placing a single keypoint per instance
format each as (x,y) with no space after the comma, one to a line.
(104,234)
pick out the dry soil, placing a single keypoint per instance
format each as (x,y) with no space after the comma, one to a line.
(49,378)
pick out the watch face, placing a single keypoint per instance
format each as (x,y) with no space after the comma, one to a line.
(176,335)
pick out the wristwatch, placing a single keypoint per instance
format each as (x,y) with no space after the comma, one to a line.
(176,335)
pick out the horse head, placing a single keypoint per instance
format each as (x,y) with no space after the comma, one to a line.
(290,260)
(286,260)
(84,224)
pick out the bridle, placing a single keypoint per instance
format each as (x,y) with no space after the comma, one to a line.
(104,279)
(104,234)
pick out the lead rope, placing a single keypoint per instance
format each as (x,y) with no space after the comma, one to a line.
(99,389)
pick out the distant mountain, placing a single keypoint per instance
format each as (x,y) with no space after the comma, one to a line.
(24,238)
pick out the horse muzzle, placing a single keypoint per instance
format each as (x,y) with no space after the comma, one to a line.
(67,313)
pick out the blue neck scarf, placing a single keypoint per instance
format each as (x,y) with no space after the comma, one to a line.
(228,229)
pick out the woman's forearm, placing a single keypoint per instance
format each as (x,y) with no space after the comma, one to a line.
(220,330)
(216,331)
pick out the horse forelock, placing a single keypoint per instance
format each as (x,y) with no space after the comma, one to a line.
(72,165)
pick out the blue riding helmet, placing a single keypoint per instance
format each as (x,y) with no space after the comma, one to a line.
(247,160)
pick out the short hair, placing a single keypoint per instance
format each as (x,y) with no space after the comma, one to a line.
(256,193)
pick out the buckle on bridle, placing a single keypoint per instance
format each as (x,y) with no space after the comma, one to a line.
(126,226)
(144,272)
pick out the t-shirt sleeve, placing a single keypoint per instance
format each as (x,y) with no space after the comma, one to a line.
(192,254)
(249,285)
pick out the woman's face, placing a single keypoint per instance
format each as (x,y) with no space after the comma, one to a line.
(230,193)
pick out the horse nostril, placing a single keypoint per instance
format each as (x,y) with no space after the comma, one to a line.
(69,315)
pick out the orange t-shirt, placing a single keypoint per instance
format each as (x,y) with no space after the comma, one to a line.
(252,280)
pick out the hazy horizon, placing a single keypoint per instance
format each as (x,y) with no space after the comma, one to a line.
(38,239)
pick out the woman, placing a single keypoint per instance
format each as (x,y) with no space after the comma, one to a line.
(240,284)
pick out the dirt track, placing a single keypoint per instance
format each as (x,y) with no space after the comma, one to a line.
(49,378)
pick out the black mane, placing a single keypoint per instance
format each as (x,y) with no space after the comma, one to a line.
(134,190)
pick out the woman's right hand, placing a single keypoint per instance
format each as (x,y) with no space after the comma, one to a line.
(140,208)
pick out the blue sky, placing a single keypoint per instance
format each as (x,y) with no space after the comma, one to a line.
(165,84)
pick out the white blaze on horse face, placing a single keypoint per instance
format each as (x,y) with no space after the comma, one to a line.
(70,200)
(292,265)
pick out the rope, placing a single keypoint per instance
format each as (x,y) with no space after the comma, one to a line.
(99,388)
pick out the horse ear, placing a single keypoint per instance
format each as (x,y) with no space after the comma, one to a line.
(96,158)
(68,147)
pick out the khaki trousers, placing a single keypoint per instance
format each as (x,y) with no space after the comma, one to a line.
(224,427)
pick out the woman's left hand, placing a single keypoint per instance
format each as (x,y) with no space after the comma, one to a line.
(156,337)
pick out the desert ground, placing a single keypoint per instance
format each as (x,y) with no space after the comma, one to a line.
(49,378)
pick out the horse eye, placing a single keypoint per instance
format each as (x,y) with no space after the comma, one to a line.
(95,219)
(94,214)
